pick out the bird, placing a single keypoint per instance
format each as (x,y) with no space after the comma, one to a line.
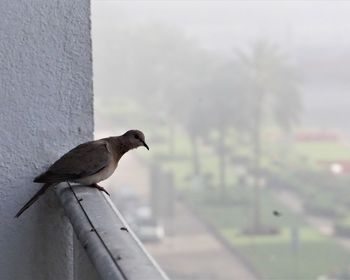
(88,163)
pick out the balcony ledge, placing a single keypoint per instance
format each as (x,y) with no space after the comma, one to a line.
(111,245)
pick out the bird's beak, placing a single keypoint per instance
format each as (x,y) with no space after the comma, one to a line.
(144,143)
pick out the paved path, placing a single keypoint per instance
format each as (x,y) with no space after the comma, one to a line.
(323,225)
(189,251)
(289,199)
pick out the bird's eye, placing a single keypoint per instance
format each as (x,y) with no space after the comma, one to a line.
(137,137)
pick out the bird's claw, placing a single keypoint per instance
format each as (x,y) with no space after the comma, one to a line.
(104,190)
(101,189)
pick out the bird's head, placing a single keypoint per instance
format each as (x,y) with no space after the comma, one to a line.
(135,138)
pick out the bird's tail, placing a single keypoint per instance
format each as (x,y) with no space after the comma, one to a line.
(34,198)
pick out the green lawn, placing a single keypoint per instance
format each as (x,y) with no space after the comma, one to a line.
(319,151)
(297,252)
(277,258)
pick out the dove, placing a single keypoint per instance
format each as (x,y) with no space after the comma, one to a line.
(88,163)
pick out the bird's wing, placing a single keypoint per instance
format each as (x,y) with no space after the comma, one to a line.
(82,161)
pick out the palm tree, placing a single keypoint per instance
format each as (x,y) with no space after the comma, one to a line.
(270,85)
(223,113)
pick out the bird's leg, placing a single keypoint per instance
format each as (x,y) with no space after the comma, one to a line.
(100,188)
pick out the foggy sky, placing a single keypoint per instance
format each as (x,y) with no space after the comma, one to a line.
(315,33)
(222,24)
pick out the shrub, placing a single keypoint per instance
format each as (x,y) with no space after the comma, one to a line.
(342,227)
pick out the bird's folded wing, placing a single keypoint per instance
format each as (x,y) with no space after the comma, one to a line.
(84,160)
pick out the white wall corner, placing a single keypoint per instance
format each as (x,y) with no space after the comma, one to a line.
(46,108)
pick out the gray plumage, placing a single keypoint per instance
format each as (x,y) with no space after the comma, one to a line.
(88,163)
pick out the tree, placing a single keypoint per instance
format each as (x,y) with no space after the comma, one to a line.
(222,111)
(157,67)
(271,88)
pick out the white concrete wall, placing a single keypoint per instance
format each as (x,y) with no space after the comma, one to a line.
(46,108)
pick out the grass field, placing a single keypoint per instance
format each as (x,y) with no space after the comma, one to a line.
(297,252)
(319,151)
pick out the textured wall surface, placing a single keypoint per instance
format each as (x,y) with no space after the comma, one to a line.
(45,109)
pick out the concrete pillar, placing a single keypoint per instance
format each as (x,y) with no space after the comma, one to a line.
(46,108)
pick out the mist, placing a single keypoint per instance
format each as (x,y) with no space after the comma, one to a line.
(244,105)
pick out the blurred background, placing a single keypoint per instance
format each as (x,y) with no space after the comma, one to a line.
(245,107)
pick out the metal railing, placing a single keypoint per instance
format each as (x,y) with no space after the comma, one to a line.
(112,247)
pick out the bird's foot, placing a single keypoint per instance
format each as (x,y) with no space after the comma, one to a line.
(100,188)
